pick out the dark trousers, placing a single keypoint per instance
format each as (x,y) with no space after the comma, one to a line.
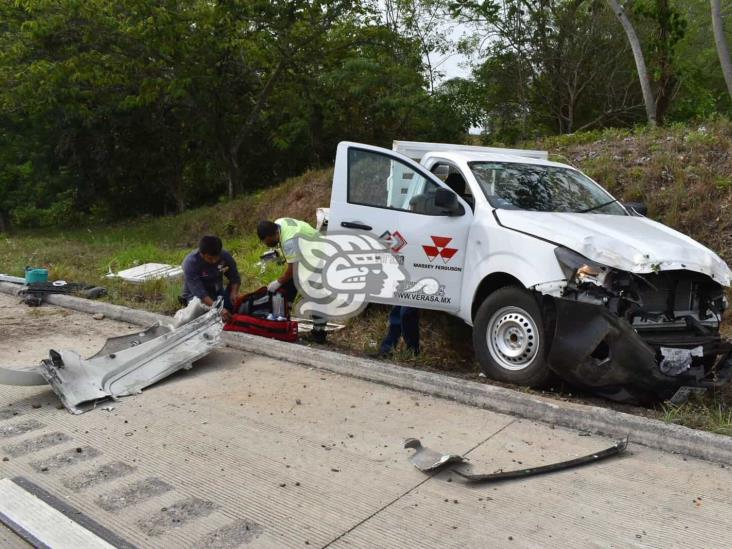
(403,322)
(290,291)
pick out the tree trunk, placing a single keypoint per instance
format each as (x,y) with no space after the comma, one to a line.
(179,197)
(236,144)
(233,174)
(721,42)
(640,61)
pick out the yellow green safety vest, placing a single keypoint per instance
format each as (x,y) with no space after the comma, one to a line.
(290,229)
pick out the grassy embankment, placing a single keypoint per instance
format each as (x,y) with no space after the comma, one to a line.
(684,174)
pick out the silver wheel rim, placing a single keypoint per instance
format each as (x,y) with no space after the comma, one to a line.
(513,338)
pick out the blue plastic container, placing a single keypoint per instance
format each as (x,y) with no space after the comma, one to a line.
(35,275)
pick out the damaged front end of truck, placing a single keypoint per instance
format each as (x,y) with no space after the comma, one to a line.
(638,337)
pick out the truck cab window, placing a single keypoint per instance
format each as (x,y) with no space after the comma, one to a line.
(455,180)
(381,181)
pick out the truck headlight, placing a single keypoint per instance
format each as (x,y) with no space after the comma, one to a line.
(579,269)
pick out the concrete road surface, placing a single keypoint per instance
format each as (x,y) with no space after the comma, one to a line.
(246,451)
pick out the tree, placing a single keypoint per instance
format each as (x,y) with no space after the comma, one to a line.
(721,43)
(640,62)
(426,23)
(662,26)
(116,108)
(550,67)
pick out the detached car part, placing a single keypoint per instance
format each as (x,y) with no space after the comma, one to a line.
(126,364)
(431,461)
(24,377)
(613,450)
(427,460)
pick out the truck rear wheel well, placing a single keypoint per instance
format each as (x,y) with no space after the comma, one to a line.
(490,284)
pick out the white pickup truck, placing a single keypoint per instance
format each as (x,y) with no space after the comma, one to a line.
(553,273)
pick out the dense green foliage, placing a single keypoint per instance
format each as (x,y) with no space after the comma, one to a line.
(112,109)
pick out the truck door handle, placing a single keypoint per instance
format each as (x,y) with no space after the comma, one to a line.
(353,225)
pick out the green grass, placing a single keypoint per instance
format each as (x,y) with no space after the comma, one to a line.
(708,413)
(86,257)
(88,254)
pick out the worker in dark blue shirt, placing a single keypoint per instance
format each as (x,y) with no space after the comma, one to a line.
(204,271)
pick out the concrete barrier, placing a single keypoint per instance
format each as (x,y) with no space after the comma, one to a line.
(115,312)
(594,419)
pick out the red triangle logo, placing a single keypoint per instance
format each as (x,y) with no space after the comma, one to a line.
(431,251)
(441,241)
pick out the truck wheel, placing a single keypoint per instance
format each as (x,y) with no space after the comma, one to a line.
(508,338)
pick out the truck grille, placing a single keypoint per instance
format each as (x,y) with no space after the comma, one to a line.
(669,298)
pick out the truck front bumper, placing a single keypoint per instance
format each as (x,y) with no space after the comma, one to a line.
(594,349)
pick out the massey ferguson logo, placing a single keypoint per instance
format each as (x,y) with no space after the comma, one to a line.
(395,241)
(440,249)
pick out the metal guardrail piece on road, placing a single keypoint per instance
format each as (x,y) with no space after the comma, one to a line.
(22,377)
(128,364)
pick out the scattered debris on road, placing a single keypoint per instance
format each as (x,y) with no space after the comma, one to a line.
(21,377)
(428,460)
(125,365)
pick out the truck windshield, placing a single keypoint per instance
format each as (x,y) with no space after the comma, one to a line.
(515,186)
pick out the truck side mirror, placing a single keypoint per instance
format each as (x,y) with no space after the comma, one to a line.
(447,200)
(639,207)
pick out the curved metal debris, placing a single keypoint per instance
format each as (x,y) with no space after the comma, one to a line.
(120,343)
(613,450)
(34,375)
(22,377)
(429,460)
(426,460)
(128,364)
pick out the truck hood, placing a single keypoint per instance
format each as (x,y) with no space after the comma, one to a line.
(629,243)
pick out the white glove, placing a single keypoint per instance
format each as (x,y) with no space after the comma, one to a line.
(274,286)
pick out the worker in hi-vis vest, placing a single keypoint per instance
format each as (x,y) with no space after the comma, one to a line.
(283,233)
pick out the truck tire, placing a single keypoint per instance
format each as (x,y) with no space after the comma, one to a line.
(509,339)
